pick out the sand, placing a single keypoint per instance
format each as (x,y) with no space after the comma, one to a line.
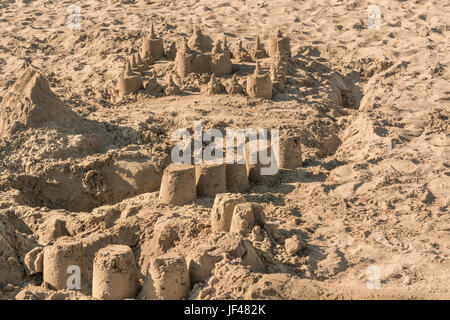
(85,140)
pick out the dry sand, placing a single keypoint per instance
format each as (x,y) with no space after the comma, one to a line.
(370,108)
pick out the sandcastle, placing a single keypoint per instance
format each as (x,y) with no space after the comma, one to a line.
(167,278)
(199,56)
(57,260)
(234,87)
(222,211)
(172,88)
(259,85)
(237,180)
(255,165)
(211,179)
(214,86)
(290,152)
(152,46)
(258,52)
(129,81)
(114,273)
(240,54)
(243,219)
(279,43)
(178,185)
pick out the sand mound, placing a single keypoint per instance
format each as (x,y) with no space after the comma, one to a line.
(31,103)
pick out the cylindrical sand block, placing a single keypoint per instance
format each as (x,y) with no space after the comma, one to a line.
(129,85)
(211,179)
(167,278)
(115,273)
(259,86)
(154,48)
(254,170)
(221,64)
(243,219)
(290,153)
(281,44)
(237,180)
(184,64)
(222,211)
(178,185)
(58,258)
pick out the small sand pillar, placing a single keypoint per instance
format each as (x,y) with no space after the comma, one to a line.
(178,185)
(222,211)
(211,179)
(129,81)
(167,278)
(58,258)
(279,43)
(152,45)
(237,179)
(290,152)
(259,85)
(114,274)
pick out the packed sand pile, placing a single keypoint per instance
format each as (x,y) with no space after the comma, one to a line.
(93,207)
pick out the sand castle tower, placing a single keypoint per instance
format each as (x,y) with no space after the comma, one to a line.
(290,152)
(172,89)
(184,59)
(147,60)
(220,61)
(259,52)
(259,85)
(240,54)
(279,43)
(178,185)
(214,86)
(152,45)
(235,87)
(199,42)
(129,81)
(226,49)
(277,81)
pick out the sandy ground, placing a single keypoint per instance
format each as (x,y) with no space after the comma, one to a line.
(371,107)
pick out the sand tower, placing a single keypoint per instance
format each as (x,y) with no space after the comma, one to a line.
(259,52)
(220,61)
(115,273)
(240,54)
(290,152)
(214,86)
(259,85)
(279,43)
(58,259)
(129,81)
(211,179)
(199,42)
(167,278)
(178,185)
(172,89)
(152,45)
(222,211)
(234,87)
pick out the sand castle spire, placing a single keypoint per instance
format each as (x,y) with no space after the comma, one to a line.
(128,69)
(152,31)
(257,69)
(217,48)
(225,44)
(258,44)
(235,87)
(214,87)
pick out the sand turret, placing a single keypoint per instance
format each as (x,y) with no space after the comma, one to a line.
(199,42)
(172,89)
(214,86)
(259,85)
(259,52)
(220,61)
(152,45)
(277,81)
(279,43)
(129,81)
(240,54)
(235,87)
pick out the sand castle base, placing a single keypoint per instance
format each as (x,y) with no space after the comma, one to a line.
(178,185)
